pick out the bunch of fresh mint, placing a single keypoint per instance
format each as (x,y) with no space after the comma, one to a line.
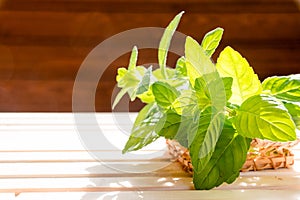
(214,110)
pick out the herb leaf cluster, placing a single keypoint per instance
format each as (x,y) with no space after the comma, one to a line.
(214,110)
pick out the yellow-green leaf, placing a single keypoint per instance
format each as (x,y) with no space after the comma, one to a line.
(164,94)
(245,82)
(197,62)
(225,163)
(283,87)
(264,117)
(211,40)
(143,130)
(165,43)
(133,58)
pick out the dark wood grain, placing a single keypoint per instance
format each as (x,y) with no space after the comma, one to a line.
(87,29)
(47,65)
(153,6)
(44,42)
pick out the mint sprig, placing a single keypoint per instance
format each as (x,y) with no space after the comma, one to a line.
(214,110)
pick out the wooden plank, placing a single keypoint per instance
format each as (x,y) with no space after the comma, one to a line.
(57,131)
(63,134)
(107,168)
(63,140)
(94,184)
(111,168)
(55,156)
(29,170)
(66,119)
(34,156)
(175,195)
(46,95)
(42,94)
(45,142)
(155,6)
(88,29)
(45,156)
(47,41)
(23,156)
(279,182)
(54,95)
(62,63)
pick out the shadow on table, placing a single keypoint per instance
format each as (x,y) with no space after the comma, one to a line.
(115,184)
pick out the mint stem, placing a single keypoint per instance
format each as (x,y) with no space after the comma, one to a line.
(230,112)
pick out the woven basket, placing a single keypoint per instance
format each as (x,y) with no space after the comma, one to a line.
(263,154)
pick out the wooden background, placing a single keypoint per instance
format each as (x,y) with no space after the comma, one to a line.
(44,42)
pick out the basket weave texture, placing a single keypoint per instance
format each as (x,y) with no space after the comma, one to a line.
(263,154)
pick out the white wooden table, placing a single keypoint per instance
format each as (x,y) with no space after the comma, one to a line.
(42,156)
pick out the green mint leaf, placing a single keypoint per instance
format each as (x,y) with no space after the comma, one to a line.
(264,117)
(226,161)
(177,127)
(294,110)
(147,97)
(169,124)
(202,92)
(164,94)
(180,84)
(233,177)
(227,82)
(211,41)
(165,43)
(129,79)
(144,84)
(186,103)
(119,96)
(197,62)
(203,142)
(133,58)
(143,130)
(175,80)
(188,129)
(180,67)
(245,82)
(121,73)
(210,91)
(283,87)
(158,73)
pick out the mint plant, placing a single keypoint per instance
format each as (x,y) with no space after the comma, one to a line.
(214,110)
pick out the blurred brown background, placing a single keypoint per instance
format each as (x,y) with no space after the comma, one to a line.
(44,42)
